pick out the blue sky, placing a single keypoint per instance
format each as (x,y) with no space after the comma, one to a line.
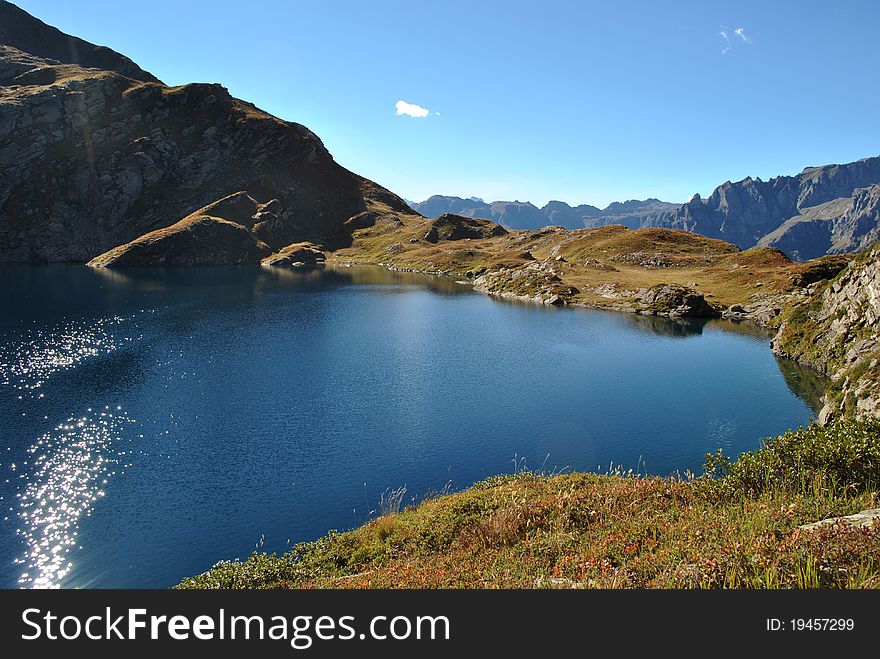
(587,102)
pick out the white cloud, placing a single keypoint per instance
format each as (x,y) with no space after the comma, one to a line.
(741,33)
(411,109)
(726,37)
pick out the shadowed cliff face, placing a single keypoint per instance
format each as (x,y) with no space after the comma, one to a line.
(93,158)
(847,224)
(23,32)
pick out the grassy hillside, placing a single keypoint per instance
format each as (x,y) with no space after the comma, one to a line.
(606,267)
(735,526)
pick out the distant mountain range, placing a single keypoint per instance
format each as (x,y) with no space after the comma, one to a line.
(823,210)
(525,215)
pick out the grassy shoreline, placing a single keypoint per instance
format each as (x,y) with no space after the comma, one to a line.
(609,267)
(737,526)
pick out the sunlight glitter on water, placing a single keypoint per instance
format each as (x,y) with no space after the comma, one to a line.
(27,364)
(64,476)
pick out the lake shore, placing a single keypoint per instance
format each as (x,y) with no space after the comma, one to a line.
(746,524)
(300,375)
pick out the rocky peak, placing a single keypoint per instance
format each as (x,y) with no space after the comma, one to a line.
(747,212)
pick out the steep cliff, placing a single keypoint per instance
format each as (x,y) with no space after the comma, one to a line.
(837,331)
(753,211)
(848,224)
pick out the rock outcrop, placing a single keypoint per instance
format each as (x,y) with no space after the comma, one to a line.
(837,332)
(95,153)
(534,282)
(675,301)
(864,519)
(295,255)
(456,227)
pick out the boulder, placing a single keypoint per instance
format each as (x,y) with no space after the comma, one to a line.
(863,519)
(456,227)
(675,300)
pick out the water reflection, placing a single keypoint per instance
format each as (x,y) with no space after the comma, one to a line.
(256,388)
(805,383)
(677,328)
(65,473)
(26,364)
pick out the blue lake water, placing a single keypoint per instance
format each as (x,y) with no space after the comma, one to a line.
(156,421)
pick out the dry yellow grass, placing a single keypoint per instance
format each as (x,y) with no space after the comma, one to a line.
(625,260)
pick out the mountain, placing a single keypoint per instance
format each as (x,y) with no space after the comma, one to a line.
(635,214)
(441,205)
(847,224)
(632,214)
(23,32)
(95,152)
(823,210)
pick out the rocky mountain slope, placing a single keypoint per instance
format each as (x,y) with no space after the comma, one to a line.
(847,224)
(837,331)
(95,153)
(823,210)
(21,31)
(524,215)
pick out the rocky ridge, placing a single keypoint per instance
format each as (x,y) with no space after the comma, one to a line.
(848,224)
(19,31)
(822,210)
(837,332)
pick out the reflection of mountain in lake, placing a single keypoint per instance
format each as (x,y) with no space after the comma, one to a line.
(804,382)
(672,327)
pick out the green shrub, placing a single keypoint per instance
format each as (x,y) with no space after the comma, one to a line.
(840,456)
